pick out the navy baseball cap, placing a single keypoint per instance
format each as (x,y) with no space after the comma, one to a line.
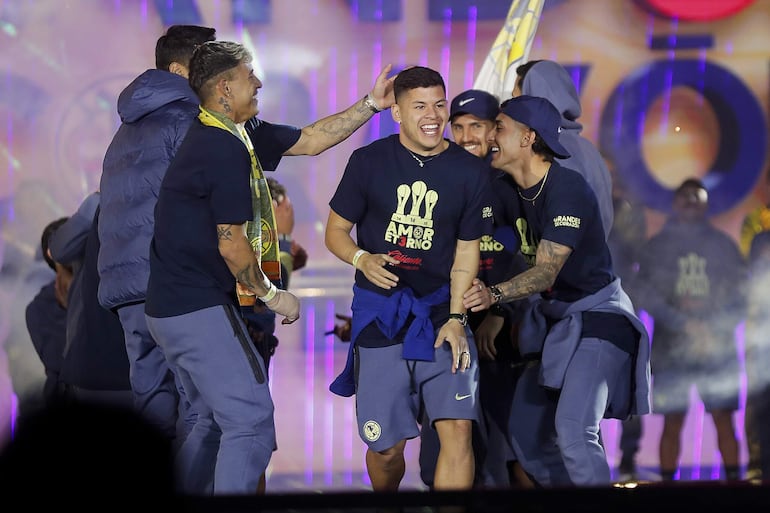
(541,116)
(479,103)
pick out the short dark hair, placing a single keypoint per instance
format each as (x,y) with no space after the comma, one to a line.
(178,44)
(416,77)
(277,189)
(46,237)
(523,69)
(210,60)
(690,183)
(540,147)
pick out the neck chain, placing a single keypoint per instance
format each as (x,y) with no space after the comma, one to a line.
(419,160)
(542,184)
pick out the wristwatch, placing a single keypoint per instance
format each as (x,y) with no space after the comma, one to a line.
(497,296)
(371,104)
(462,317)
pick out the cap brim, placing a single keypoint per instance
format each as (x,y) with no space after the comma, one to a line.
(560,151)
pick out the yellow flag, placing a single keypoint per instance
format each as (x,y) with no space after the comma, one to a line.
(510,49)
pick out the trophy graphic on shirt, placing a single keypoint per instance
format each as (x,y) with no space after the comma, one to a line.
(415,228)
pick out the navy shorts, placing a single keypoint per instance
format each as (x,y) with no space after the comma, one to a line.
(390,390)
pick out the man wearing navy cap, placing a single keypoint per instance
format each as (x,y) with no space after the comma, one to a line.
(472,118)
(588,352)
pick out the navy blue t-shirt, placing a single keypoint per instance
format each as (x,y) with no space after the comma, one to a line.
(414,214)
(206,184)
(566,212)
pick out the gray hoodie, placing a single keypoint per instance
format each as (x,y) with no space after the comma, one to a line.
(551,81)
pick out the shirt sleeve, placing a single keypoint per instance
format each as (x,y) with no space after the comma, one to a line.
(567,211)
(477,218)
(349,200)
(271,141)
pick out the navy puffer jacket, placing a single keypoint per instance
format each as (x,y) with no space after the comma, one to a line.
(156,110)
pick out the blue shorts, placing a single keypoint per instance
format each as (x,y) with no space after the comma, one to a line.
(718,388)
(390,390)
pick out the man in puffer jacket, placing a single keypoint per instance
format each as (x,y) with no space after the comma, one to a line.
(156,109)
(549,80)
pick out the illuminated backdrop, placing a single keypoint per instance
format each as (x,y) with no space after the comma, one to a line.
(670,89)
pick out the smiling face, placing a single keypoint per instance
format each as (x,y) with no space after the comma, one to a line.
(508,143)
(423,114)
(240,92)
(472,133)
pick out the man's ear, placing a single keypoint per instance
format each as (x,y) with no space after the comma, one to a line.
(179,69)
(395,113)
(222,88)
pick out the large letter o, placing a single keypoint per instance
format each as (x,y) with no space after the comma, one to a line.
(743,141)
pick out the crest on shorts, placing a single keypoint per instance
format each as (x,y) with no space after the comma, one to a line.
(372,430)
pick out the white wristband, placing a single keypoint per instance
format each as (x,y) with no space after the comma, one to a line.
(357,256)
(271,292)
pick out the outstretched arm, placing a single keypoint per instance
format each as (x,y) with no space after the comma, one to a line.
(332,130)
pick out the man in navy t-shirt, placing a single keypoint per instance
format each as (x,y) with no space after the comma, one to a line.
(420,205)
(472,117)
(585,342)
(200,251)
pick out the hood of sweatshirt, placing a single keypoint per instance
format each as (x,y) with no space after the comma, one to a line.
(551,81)
(150,91)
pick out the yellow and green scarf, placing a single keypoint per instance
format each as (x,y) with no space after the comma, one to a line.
(261,231)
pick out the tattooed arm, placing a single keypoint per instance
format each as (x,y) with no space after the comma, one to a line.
(332,130)
(549,260)
(240,258)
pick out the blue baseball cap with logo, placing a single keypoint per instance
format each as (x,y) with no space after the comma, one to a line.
(541,116)
(479,103)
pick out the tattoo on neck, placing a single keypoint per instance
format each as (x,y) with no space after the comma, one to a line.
(225,105)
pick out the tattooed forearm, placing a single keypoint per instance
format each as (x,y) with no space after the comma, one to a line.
(334,129)
(225,232)
(549,261)
(525,284)
(251,278)
(459,272)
